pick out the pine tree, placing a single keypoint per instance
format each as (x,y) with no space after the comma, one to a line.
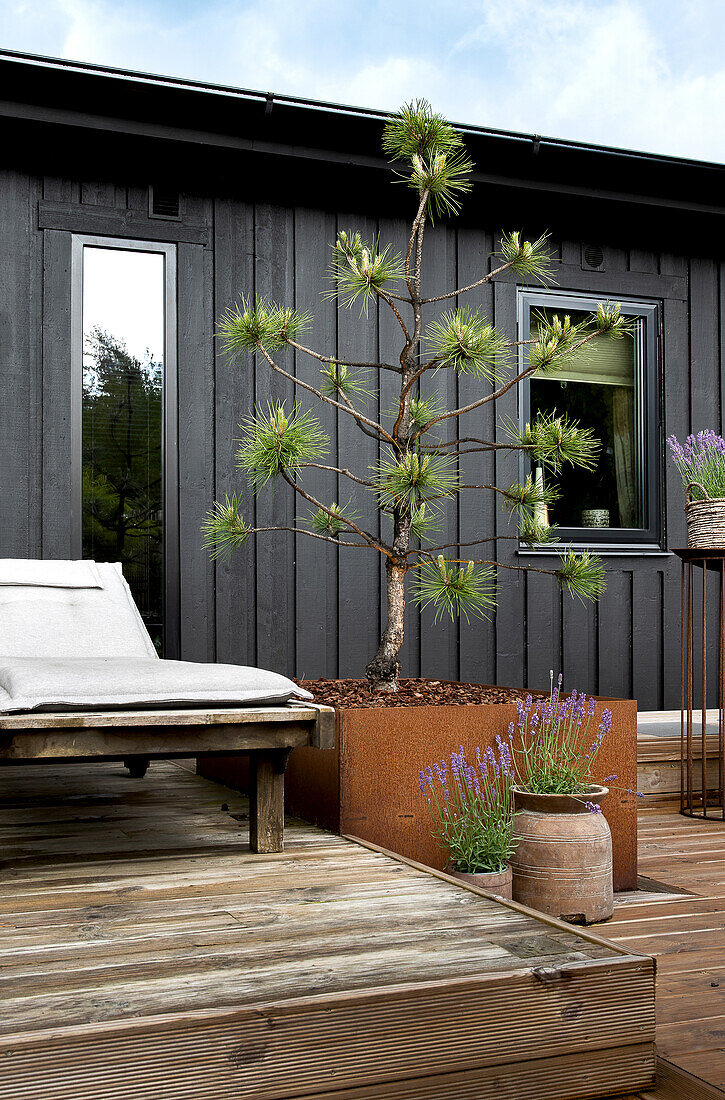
(417,473)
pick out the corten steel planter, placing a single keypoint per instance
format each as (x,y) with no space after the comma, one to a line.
(563,859)
(498,883)
(368,785)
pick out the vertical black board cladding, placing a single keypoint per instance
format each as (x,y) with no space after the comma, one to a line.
(61,189)
(579,644)
(19,334)
(647,649)
(615,635)
(543,629)
(316,562)
(276,506)
(56,401)
(476,509)
(512,609)
(236,613)
(676,390)
(643,260)
(439,646)
(704,345)
(391,341)
(359,572)
(103,193)
(196,447)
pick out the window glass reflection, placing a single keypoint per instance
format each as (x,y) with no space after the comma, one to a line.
(598,388)
(122,410)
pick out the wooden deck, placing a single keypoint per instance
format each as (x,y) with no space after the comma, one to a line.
(147,954)
(686,933)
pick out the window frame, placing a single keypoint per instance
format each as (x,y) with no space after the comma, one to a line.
(648,424)
(170,418)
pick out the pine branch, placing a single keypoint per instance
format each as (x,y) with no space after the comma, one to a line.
(423,550)
(369,538)
(323,397)
(485,446)
(413,233)
(314,535)
(485,400)
(388,299)
(338,470)
(471,286)
(342,362)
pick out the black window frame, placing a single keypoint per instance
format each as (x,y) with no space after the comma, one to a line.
(170,433)
(647,414)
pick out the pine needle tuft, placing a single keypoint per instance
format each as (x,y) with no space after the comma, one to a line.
(333,521)
(532,260)
(412,478)
(339,381)
(455,589)
(224,528)
(360,270)
(554,441)
(252,324)
(465,340)
(274,441)
(582,574)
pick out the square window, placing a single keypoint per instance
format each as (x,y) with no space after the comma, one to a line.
(609,386)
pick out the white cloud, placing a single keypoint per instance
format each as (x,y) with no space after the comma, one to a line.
(597,73)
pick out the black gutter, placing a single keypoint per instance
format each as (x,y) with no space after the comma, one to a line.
(270,98)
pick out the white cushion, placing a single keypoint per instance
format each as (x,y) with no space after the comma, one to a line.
(49,574)
(49,621)
(33,684)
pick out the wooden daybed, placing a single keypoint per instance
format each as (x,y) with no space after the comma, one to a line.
(266,735)
(80,679)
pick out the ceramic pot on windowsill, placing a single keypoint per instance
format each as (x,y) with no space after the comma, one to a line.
(563,859)
(498,883)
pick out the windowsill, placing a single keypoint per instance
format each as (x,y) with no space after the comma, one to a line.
(604,549)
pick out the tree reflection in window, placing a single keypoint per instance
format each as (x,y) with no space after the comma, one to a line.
(122,467)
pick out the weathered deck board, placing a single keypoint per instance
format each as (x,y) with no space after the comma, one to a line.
(146,952)
(686,933)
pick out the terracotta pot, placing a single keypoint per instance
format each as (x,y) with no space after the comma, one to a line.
(563,860)
(497,883)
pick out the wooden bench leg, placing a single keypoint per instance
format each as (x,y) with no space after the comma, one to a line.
(266,800)
(136,766)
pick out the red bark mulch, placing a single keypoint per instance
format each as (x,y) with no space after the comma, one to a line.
(412,693)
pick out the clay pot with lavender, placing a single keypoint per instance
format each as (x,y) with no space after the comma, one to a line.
(472,810)
(562,864)
(498,883)
(563,859)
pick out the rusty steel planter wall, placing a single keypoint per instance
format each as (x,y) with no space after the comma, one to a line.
(368,785)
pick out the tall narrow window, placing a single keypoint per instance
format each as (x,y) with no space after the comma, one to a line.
(122,419)
(608,385)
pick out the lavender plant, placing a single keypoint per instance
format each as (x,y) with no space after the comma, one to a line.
(472,808)
(557,745)
(700,461)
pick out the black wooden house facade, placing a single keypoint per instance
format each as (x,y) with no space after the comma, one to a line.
(229,192)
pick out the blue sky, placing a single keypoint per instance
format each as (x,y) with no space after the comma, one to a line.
(639,74)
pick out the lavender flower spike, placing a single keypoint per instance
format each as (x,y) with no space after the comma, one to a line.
(593,807)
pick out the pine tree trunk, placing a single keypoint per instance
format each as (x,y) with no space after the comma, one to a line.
(384,669)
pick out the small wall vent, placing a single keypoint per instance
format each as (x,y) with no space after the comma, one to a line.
(592,257)
(164,202)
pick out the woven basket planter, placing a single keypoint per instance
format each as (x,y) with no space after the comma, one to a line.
(705,521)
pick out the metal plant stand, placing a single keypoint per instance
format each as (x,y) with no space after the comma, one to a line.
(702,795)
